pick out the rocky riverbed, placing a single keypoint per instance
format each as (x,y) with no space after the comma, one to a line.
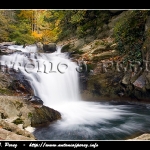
(142,137)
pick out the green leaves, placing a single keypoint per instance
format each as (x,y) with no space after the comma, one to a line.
(129,33)
(78,17)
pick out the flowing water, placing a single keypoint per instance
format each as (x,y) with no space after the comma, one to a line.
(55,79)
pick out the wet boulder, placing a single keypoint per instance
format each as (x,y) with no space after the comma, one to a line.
(49,48)
(35,100)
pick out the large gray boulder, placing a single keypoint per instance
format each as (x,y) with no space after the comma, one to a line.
(17,114)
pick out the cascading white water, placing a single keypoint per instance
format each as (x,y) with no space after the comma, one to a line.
(54,79)
(28,49)
(53,76)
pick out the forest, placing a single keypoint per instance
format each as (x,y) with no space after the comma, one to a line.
(29,26)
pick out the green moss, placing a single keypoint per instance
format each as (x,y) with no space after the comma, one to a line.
(65,48)
(91,66)
(18,121)
(18,105)
(30,115)
(5,91)
(105,43)
(77,51)
(97,43)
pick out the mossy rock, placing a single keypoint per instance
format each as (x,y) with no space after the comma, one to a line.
(105,84)
(44,115)
(98,51)
(67,48)
(104,56)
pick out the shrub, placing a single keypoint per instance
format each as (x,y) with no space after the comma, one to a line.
(129,34)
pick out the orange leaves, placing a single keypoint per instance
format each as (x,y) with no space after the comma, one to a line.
(37,36)
(45,36)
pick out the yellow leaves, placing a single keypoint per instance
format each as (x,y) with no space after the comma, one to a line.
(48,33)
(57,22)
(45,36)
(37,36)
(26,14)
(48,36)
(44,24)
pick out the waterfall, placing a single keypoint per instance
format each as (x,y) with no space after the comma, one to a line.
(54,79)
(53,76)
